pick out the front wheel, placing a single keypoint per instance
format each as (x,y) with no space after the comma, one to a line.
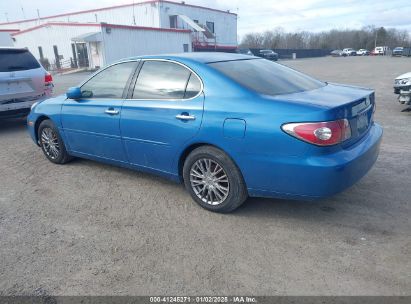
(52,144)
(213,180)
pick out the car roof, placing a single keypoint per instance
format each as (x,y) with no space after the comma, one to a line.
(202,57)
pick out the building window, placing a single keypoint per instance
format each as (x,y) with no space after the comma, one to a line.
(210,26)
(173,21)
(196,21)
(185,47)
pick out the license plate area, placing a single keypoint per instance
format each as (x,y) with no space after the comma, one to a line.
(14,87)
(363,122)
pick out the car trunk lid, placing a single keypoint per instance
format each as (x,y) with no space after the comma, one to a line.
(355,104)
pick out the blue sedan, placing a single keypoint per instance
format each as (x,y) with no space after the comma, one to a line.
(228,126)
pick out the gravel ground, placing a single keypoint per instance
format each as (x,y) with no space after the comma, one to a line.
(92,229)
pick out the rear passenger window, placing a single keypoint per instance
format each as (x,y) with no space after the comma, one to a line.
(161,80)
(193,86)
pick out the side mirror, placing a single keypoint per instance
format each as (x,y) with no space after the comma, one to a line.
(74,93)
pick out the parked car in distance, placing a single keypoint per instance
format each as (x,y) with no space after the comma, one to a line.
(380,50)
(402,82)
(402,86)
(268,54)
(350,52)
(397,51)
(23,82)
(338,53)
(228,126)
(363,52)
(244,51)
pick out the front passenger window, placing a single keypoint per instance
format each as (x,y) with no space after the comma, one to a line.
(109,83)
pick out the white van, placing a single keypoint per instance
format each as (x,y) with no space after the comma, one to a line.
(381,50)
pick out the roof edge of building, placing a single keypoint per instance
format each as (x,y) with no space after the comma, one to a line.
(115,6)
(9,30)
(105,25)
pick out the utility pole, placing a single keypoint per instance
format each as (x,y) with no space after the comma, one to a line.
(38,13)
(134,15)
(24,14)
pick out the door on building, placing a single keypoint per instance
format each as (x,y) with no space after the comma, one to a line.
(161,114)
(95,49)
(73,49)
(92,124)
(82,55)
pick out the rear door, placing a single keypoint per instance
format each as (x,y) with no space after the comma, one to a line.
(164,112)
(92,124)
(21,77)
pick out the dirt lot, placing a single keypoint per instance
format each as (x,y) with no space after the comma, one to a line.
(88,228)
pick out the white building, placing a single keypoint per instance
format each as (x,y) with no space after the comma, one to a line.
(97,37)
(5,37)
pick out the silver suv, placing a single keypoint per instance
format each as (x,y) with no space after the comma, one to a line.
(23,81)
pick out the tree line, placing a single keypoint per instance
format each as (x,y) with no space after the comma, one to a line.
(368,37)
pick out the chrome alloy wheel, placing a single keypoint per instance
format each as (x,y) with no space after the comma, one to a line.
(209,181)
(50,143)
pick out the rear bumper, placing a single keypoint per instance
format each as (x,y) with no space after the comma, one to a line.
(319,176)
(17,109)
(14,113)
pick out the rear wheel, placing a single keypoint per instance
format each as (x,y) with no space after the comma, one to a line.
(52,144)
(213,180)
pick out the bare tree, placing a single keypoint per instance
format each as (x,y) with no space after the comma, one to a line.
(367,37)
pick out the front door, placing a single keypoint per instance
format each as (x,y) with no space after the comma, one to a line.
(82,55)
(164,112)
(92,124)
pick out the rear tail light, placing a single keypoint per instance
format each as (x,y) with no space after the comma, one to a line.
(48,78)
(326,133)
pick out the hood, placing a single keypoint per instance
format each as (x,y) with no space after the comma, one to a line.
(406,75)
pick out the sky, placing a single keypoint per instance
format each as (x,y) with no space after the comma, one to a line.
(253,16)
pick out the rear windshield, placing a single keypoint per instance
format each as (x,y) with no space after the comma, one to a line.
(17,60)
(266,77)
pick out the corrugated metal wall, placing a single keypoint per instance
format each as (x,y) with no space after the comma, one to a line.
(122,43)
(47,37)
(5,39)
(151,15)
(144,15)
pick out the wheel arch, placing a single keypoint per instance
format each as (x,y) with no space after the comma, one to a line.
(192,147)
(39,120)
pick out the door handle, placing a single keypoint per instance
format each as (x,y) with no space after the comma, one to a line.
(185,117)
(111,111)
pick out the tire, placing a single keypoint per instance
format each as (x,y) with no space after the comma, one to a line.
(51,143)
(213,180)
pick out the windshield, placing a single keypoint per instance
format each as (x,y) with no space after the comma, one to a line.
(266,77)
(17,60)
